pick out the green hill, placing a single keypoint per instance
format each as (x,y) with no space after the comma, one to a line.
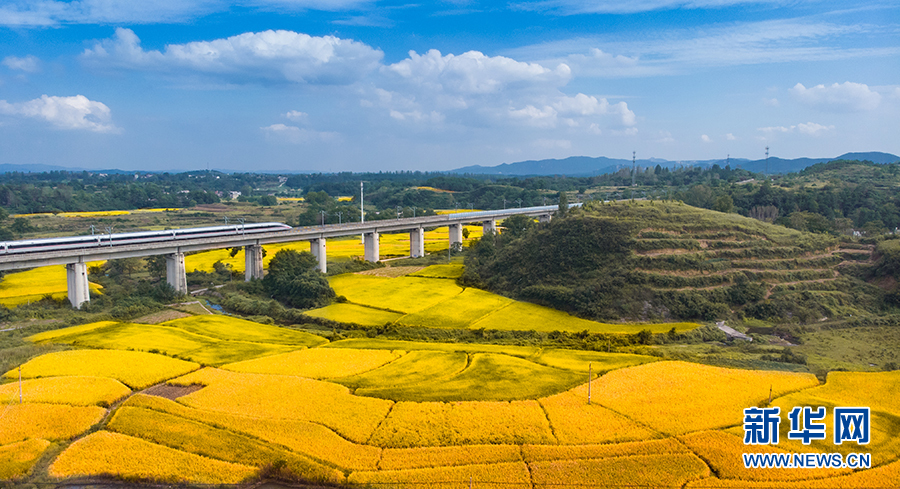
(663,260)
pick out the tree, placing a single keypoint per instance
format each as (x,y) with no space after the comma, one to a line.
(294,280)
(563,204)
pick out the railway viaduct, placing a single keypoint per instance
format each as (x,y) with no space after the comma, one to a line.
(76,260)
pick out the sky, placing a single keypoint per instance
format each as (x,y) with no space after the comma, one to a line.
(370,85)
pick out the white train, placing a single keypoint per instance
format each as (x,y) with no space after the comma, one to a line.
(98,240)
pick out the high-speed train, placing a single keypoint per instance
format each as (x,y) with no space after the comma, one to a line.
(98,240)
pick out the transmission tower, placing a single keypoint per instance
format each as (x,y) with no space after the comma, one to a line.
(767,161)
(633,168)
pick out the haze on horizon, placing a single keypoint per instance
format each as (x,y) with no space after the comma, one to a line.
(366,85)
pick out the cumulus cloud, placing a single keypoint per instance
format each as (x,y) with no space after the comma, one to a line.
(269,56)
(33,13)
(28,64)
(808,128)
(297,135)
(839,97)
(705,138)
(730,137)
(474,73)
(76,112)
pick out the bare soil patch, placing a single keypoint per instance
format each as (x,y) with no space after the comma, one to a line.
(161,317)
(171,392)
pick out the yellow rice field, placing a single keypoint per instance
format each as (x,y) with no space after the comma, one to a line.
(318,363)
(135,369)
(417,458)
(16,459)
(639,471)
(19,288)
(303,437)
(425,424)
(77,391)
(509,475)
(46,421)
(667,396)
(286,397)
(131,458)
(203,439)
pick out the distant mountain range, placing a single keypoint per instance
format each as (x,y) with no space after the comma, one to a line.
(574,166)
(577,166)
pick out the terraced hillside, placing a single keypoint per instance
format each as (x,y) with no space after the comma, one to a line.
(681,251)
(651,260)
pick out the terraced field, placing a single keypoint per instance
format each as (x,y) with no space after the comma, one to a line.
(716,251)
(367,412)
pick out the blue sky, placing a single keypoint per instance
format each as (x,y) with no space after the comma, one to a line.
(363,85)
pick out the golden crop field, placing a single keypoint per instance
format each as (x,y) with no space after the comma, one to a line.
(403,294)
(104,452)
(19,288)
(537,453)
(487,377)
(450,270)
(639,471)
(77,391)
(876,390)
(214,342)
(722,451)
(424,424)
(417,458)
(318,363)
(884,477)
(203,439)
(46,421)
(666,396)
(135,369)
(509,475)
(570,416)
(458,311)
(355,314)
(16,459)
(303,437)
(286,397)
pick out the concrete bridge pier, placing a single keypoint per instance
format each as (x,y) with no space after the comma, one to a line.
(544,218)
(456,235)
(489,227)
(253,262)
(175,272)
(317,248)
(77,280)
(372,253)
(417,243)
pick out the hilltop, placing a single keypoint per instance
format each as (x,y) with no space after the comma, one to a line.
(651,260)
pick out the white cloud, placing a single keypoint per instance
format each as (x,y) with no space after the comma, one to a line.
(843,97)
(269,56)
(808,128)
(53,12)
(665,137)
(76,112)
(297,135)
(28,64)
(474,73)
(730,137)
(705,138)
(771,102)
(296,115)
